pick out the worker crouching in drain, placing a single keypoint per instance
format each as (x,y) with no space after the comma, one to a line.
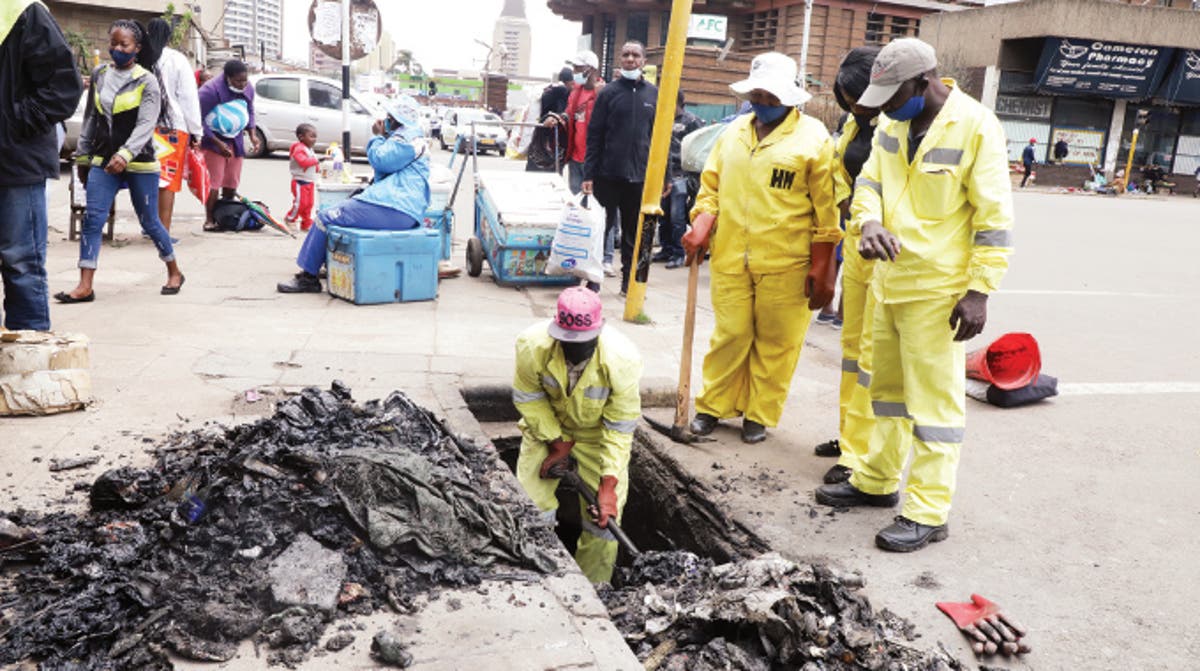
(577,389)
(767,203)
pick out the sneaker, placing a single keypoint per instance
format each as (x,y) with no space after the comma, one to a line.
(905,535)
(677,262)
(753,432)
(703,424)
(826,318)
(838,473)
(836,323)
(661,257)
(302,283)
(829,448)
(609,271)
(846,495)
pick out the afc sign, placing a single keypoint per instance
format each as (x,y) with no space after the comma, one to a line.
(708,27)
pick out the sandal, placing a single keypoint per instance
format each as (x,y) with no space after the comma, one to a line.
(171,291)
(67,298)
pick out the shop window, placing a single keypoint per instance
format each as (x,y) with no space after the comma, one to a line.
(759,30)
(900,27)
(637,27)
(875,28)
(1156,140)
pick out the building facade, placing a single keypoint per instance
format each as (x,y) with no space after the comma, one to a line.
(511,41)
(1087,73)
(255,24)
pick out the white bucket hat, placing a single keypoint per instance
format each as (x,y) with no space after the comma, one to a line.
(776,74)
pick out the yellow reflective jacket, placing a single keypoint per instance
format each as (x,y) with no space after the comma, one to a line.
(603,408)
(772,198)
(951,206)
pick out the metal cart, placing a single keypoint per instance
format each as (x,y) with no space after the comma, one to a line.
(516,214)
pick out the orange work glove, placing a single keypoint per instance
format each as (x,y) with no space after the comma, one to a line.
(607,500)
(560,451)
(695,241)
(822,274)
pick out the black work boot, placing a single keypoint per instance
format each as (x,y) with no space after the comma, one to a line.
(838,473)
(829,448)
(905,535)
(302,283)
(703,424)
(753,432)
(846,495)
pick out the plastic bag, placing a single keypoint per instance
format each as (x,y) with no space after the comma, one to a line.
(199,183)
(578,246)
(696,146)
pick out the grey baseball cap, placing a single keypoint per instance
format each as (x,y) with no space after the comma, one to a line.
(898,62)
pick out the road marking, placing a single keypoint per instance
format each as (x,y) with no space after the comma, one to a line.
(1070,292)
(1127,388)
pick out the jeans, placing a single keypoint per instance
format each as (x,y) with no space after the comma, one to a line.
(101,191)
(349,214)
(23,257)
(575,176)
(624,198)
(674,221)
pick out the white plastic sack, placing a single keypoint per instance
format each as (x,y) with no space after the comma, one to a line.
(521,136)
(578,246)
(696,146)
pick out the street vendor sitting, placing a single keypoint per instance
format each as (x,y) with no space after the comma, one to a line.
(395,201)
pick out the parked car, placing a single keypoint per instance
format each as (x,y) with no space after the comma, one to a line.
(489,134)
(284,101)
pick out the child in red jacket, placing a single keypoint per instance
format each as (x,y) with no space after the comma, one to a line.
(303,162)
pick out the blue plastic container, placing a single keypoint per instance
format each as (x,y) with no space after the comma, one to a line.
(332,193)
(368,267)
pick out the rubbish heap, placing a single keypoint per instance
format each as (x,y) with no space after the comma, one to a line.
(680,612)
(271,530)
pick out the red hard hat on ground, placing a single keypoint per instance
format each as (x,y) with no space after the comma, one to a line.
(578,317)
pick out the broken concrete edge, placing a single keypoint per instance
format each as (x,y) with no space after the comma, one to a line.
(493,402)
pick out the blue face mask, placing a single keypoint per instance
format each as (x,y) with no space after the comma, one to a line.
(632,74)
(769,113)
(122,58)
(909,110)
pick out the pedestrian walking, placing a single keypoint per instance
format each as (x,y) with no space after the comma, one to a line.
(577,388)
(183,127)
(227,110)
(942,241)
(678,194)
(1028,160)
(766,203)
(618,145)
(117,150)
(303,162)
(548,149)
(855,420)
(585,71)
(39,88)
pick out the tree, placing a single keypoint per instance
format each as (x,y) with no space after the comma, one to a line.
(180,24)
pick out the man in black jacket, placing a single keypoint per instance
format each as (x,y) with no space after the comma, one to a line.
(39,87)
(618,144)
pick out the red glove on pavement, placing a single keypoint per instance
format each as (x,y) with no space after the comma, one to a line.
(822,274)
(988,628)
(695,241)
(607,498)
(560,451)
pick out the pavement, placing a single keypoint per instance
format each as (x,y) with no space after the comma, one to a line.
(1075,515)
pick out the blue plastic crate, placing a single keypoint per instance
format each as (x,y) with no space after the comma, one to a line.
(367,267)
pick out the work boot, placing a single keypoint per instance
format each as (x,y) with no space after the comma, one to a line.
(703,424)
(905,535)
(829,448)
(661,257)
(302,283)
(838,473)
(846,495)
(753,432)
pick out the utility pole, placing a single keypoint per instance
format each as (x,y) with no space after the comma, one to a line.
(346,80)
(808,5)
(254,29)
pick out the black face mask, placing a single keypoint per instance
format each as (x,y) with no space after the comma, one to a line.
(578,352)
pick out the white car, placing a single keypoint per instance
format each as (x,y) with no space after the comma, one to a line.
(489,133)
(284,101)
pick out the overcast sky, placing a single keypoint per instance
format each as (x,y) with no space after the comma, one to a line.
(442,33)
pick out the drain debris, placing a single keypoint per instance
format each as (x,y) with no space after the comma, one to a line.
(378,503)
(677,611)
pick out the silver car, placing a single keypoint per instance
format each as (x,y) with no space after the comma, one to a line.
(284,101)
(489,134)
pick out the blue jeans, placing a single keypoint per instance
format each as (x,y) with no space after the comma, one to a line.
(101,192)
(23,257)
(575,176)
(350,214)
(674,222)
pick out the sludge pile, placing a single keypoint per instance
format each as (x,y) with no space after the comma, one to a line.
(270,529)
(679,612)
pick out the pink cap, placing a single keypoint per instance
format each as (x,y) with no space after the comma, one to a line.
(578,317)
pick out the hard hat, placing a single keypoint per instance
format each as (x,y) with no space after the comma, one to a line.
(578,317)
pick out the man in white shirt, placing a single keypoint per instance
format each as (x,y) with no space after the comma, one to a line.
(182,127)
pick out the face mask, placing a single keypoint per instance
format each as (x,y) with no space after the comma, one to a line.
(578,352)
(769,113)
(122,58)
(632,74)
(909,110)
(236,89)
(388,126)
(580,78)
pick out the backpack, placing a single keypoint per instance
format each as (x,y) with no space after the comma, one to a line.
(233,215)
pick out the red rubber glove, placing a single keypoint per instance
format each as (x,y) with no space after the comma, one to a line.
(822,274)
(560,451)
(607,498)
(988,628)
(695,241)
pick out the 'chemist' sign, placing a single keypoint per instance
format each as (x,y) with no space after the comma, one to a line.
(1104,69)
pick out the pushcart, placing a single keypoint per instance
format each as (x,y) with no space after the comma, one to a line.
(516,214)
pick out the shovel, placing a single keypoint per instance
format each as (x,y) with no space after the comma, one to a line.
(566,471)
(679,431)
